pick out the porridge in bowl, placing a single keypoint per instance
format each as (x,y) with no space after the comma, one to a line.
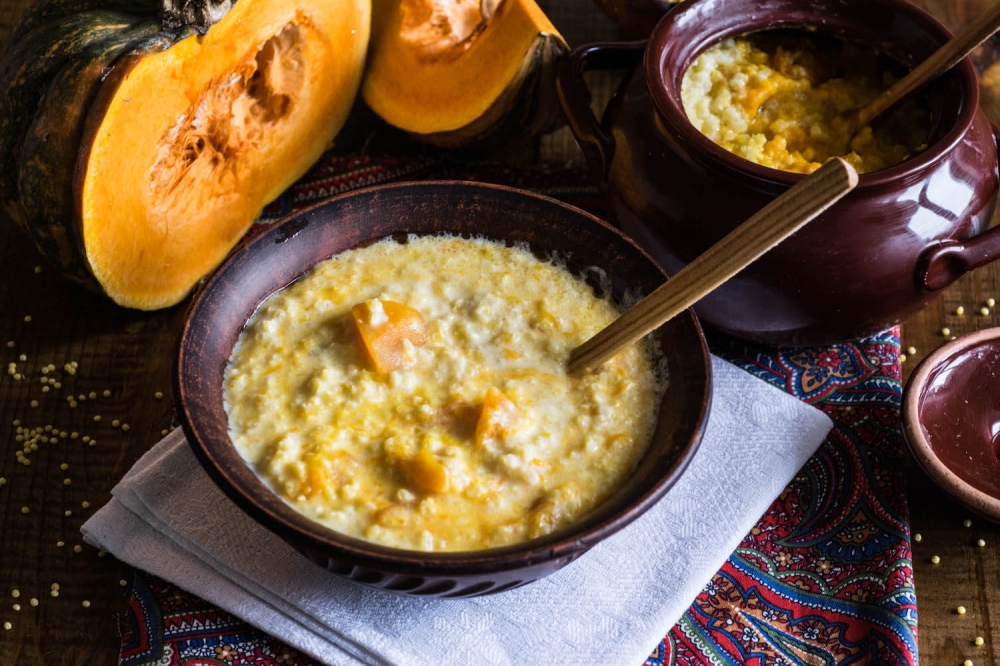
(784,100)
(415,395)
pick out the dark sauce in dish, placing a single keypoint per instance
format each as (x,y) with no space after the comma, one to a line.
(960,415)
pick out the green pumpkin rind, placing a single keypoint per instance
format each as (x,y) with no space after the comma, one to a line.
(50,11)
(25,73)
(48,152)
(62,52)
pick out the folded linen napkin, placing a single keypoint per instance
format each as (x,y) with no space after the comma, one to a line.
(612,606)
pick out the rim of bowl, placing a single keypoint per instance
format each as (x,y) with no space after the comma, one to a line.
(283,518)
(961,490)
(667,100)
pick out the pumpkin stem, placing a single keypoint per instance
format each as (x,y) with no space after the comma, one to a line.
(199,14)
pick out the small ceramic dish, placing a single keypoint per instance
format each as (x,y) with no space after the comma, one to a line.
(951,420)
(282,254)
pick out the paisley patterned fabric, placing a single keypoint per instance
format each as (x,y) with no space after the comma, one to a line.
(825,577)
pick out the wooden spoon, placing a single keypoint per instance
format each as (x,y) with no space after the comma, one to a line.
(946,57)
(768,227)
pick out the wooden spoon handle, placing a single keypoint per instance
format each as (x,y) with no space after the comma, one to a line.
(768,227)
(946,57)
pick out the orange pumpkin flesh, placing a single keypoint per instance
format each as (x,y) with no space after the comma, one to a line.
(451,72)
(497,418)
(184,147)
(382,327)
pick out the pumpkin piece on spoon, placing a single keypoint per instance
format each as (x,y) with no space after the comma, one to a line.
(455,72)
(139,141)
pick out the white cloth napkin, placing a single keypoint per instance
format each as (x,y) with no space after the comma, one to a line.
(610,607)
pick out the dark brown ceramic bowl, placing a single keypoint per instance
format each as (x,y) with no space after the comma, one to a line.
(282,254)
(951,420)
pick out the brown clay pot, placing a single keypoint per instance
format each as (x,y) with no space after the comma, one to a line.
(277,257)
(869,262)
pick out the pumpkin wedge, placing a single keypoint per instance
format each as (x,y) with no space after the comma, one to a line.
(139,140)
(454,72)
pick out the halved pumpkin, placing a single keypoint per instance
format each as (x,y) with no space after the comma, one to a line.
(136,155)
(452,72)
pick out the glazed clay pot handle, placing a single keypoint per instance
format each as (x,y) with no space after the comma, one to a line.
(574,97)
(943,264)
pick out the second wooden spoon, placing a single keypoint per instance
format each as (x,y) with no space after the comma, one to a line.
(939,62)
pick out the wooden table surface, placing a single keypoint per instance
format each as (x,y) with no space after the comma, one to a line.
(123,364)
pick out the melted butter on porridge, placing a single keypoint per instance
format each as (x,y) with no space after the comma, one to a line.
(415,395)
